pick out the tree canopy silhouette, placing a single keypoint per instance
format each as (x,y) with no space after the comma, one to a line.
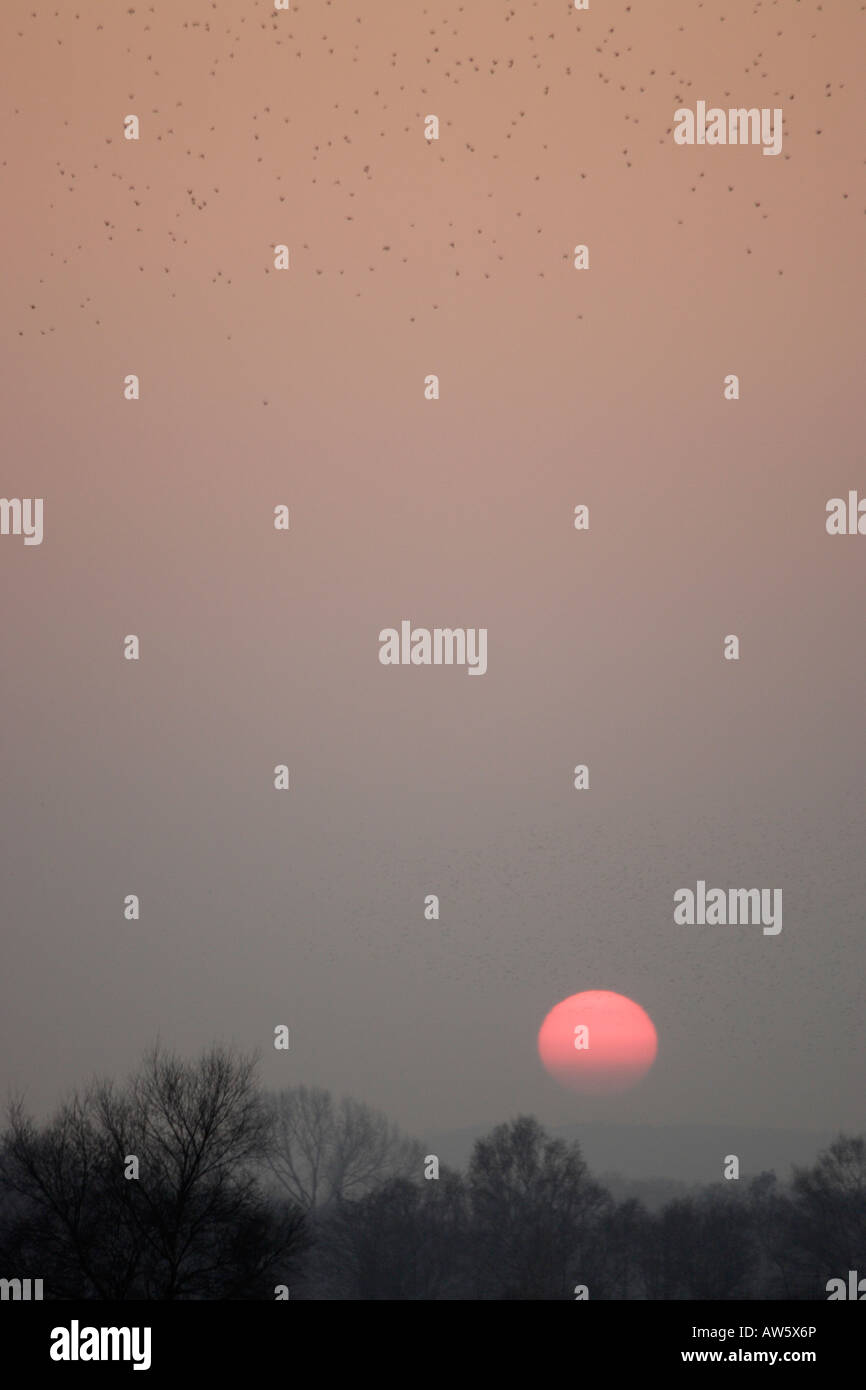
(193,1224)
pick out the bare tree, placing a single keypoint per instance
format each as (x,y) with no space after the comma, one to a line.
(407,1240)
(700,1247)
(192,1224)
(829,1213)
(321,1152)
(60,1220)
(536,1213)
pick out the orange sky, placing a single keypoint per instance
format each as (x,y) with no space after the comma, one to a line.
(557,387)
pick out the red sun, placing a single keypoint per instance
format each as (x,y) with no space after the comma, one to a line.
(597,1042)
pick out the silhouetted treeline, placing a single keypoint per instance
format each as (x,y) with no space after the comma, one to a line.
(189,1182)
(150,1191)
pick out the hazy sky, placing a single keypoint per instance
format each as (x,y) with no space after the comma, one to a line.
(558,387)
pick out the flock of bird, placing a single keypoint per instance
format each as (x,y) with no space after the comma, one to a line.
(524,61)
